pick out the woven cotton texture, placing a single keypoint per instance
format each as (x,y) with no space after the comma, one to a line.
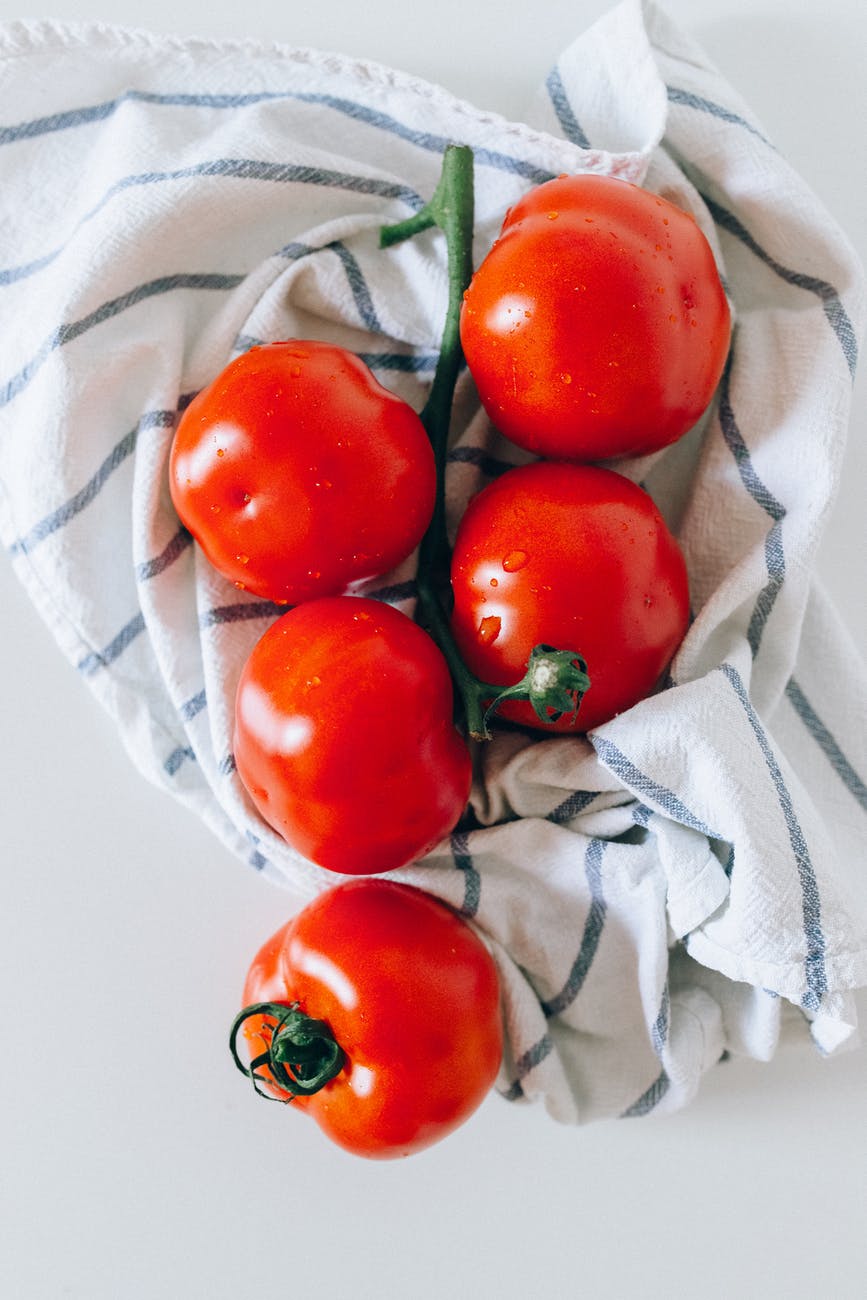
(655,893)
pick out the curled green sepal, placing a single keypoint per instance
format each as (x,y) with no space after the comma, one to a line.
(555,683)
(302,1054)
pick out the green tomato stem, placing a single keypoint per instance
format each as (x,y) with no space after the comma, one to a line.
(555,680)
(302,1054)
(452,210)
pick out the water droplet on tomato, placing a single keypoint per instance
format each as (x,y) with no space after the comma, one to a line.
(313,682)
(314,573)
(220,451)
(565,377)
(243,559)
(216,509)
(494,582)
(489,629)
(553,215)
(515,560)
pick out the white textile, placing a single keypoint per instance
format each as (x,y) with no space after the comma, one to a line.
(655,893)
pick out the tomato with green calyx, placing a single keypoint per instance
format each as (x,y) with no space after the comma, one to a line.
(344,736)
(376,1010)
(597,326)
(576,557)
(299,474)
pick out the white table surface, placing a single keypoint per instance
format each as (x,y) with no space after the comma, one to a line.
(135,1164)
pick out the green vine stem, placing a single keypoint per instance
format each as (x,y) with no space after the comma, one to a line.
(555,680)
(452,210)
(302,1054)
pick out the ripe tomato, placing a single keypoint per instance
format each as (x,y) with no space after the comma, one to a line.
(576,557)
(299,474)
(597,326)
(410,995)
(344,735)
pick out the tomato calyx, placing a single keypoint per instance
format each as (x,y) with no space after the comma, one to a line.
(301,1053)
(555,684)
(555,681)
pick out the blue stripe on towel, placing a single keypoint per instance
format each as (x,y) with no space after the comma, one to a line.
(829,297)
(176,759)
(233,168)
(528,1062)
(687,99)
(71,330)
(88,114)
(97,659)
(593,927)
(569,124)
(359,288)
(659,1028)
(463,860)
(643,784)
(775,559)
(826,742)
(649,1099)
(192,707)
(176,547)
(814,963)
(572,806)
(240,612)
(79,501)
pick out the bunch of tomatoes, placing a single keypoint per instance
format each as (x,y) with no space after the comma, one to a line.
(595,328)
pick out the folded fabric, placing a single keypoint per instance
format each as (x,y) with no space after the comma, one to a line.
(655,892)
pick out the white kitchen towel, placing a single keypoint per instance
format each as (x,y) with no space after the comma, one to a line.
(655,893)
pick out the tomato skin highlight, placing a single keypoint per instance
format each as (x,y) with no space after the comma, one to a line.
(412,996)
(577,557)
(298,474)
(597,326)
(344,735)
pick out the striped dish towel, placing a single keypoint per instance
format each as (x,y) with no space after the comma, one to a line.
(655,894)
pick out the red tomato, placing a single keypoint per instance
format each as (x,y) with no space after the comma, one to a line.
(344,735)
(410,995)
(597,325)
(576,557)
(299,474)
